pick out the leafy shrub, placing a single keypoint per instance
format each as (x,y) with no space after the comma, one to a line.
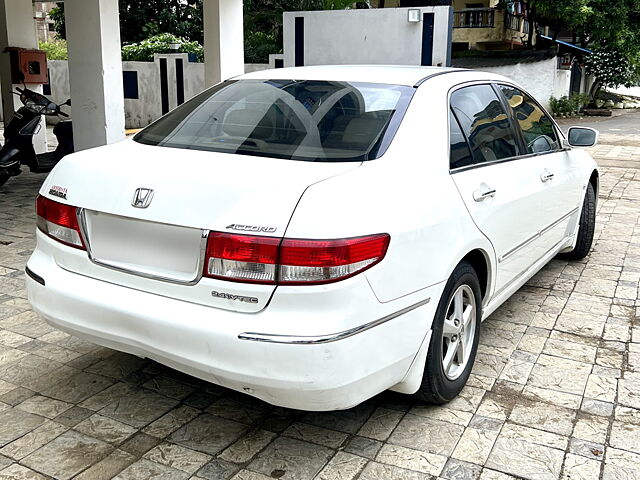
(569,105)
(143,51)
(56,50)
(258,46)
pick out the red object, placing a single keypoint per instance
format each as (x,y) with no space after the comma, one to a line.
(58,214)
(243,248)
(313,254)
(28,66)
(332,253)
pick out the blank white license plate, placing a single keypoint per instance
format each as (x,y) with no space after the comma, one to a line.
(140,246)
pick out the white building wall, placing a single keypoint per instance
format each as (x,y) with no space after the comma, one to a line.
(375,37)
(147,107)
(540,79)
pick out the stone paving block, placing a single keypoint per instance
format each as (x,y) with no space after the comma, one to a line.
(364,447)
(19,472)
(526,460)
(108,467)
(543,416)
(594,451)
(247,446)
(411,459)
(425,434)
(46,407)
(377,471)
(625,436)
(177,457)
(218,469)
(139,444)
(138,408)
(380,424)
(314,434)
(621,465)
(16,423)
(208,434)
(147,469)
(475,445)
(551,372)
(33,440)
(289,458)
(591,428)
(580,468)
(105,429)
(247,411)
(171,421)
(246,475)
(343,466)
(348,421)
(71,385)
(67,455)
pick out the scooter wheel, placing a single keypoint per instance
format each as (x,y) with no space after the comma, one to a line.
(3,178)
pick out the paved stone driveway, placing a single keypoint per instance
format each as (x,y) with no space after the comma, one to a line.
(555,392)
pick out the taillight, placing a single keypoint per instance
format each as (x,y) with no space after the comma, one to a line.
(242,257)
(256,259)
(59,221)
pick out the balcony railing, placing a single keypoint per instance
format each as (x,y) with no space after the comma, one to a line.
(474,18)
(513,22)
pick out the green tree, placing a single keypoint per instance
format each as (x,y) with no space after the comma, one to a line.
(56,50)
(141,19)
(263,22)
(163,43)
(611,28)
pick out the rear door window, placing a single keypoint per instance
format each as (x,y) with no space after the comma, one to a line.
(537,128)
(485,123)
(459,153)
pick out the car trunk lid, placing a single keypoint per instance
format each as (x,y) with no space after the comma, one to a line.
(159,246)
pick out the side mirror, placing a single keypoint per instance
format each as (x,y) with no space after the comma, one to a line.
(582,137)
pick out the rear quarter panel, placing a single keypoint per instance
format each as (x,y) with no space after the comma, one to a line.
(407,193)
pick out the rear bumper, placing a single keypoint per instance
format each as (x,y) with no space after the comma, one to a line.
(205,341)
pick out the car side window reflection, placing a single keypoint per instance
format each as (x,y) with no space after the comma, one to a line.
(485,123)
(460,155)
(537,127)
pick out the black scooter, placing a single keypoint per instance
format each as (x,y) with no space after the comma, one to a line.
(18,133)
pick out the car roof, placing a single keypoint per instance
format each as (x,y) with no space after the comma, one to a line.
(388,74)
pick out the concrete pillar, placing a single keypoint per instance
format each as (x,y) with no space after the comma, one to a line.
(17,29)
(223,40)
(95,72)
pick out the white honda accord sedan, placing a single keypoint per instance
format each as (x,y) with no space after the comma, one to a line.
(315,236)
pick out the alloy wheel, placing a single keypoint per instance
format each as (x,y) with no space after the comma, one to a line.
(458,332)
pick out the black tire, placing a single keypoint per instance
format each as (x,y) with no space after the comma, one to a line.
(586,227)
(3,178)
(436,387)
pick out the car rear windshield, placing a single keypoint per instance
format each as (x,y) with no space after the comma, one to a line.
(297,120)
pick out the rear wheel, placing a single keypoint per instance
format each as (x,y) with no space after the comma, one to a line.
(586,228)
(454,340)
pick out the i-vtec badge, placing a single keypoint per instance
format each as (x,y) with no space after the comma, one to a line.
(237,298)
(251,228)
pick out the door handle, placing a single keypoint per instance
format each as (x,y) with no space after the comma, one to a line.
(546,176)
(483,193)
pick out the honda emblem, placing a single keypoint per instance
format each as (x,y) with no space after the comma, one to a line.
(142,198)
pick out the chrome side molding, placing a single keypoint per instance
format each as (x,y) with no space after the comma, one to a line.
(331,337)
